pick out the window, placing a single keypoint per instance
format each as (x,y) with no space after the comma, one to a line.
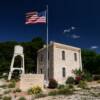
(41,71)
(63,55)
(63,72)
(75,56)
(41,57)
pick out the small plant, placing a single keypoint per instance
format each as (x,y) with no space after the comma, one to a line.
(35,90)
(82,84)
(6,92)
(22,98)
(3,86)
(61,86)
(98,81)
(40,95)
(53,93)
(70,80)
(12,84)
(70,86)
(65,91)
(6,98)
(87,76)
(17,90)
(53,83)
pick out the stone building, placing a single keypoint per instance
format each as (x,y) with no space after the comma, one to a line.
(62,59)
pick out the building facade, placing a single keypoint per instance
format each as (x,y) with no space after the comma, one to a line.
(62,59)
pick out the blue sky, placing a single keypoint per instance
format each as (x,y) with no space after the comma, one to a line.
(73,22)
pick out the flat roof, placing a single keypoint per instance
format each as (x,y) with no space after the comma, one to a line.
(60,45)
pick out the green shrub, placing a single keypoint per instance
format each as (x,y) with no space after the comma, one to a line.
(96,77)
(22,98)
(98,81)
(17,90)
(53,93)
(35,90)
(53,83)
(30,91)
(87,76)
(12,84)
(70,80)
(40,95)
(61,86)
(3,86)
(82,84)
(6,98)
(70,86)
(6,92)
(65,91)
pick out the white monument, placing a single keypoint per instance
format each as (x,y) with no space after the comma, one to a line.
(18,51)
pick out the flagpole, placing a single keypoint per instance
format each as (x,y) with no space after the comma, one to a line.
(47,43)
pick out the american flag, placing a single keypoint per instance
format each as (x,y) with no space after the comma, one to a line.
(35,17)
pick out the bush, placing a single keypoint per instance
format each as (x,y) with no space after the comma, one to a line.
(17,90)
(61,86)
(12,84)
(3,86)
(53,83)
(6,98)
(22,98)
(65,91)
(35,90)
(82,84)
(70,86)
(40,95)
(78,79)
(96,77)
(70,80)
(87,76)
(53,93)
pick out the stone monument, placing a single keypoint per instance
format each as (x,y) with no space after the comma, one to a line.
(18,51)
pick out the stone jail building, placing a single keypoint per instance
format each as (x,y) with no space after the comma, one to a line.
(62,60)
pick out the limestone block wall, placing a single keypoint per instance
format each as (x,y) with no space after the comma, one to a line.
(69,63)
(28,81)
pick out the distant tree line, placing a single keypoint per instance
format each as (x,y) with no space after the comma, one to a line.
(30,53)
(90,59)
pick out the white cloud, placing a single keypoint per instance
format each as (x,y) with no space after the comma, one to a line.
(94,47)
(73,28)
(74,36)
(67,30)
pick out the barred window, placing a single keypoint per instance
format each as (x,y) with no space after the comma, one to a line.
(63,55)
(63,72)
(75,56)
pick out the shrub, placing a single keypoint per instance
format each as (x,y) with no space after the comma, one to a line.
(96,77)
(53,83)
(70,86)
(70,80)
(40,95)
(82,84)
(6,98)
(35,90)
(22,98)
(61,86)
(53,93)
(78,79)
(98,81)
(3,86)
(17,90)
(30,91)
(65,91)
(12,84)
(6,92)
(87,76)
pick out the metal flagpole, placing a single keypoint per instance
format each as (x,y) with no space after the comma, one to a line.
(47,42)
